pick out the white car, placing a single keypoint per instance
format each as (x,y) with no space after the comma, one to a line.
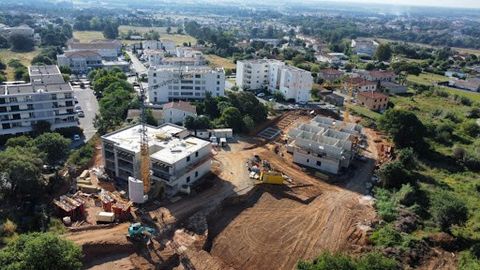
(76,137)
(80,114)
(261,95)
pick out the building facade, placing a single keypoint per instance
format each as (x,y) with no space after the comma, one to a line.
(374,101)
(184,83)
(80,62)
(177,159)
(165,45)
(46,98)
(274,75)
(176,112)
(107,49)
(324,144)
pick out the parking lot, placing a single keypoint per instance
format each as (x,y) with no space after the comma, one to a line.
(89,104)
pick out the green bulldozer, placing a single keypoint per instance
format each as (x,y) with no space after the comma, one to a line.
(140,233)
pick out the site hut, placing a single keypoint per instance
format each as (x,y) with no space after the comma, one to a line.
(184,83)
(324,144)
(177,159)
(216,136)
(47,97)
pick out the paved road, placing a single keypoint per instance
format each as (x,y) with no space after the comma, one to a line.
(137,66)
(88,102)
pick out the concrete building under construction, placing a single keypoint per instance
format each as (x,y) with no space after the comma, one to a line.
(177,159)
(325,144)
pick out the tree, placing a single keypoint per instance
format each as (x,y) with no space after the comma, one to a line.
(232,117)
(54,145)
(110,30)
(394,175)
(20,169)
(200,122)
(179,30)
(376,261)
(21,141)
(169,30)
(448,210)
(328,261)
(248,123)
(404,127)
(383,53)
(40,251)
(21,43)
(471,128)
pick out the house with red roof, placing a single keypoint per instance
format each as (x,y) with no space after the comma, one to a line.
(374,101)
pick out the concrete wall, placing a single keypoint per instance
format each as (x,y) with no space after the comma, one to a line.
(310,160)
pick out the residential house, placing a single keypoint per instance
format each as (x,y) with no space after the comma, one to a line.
(330,74)
(374,101)
(366,47)
(81,61)
(379,76)
(394,88)
(469,84)
(177,111)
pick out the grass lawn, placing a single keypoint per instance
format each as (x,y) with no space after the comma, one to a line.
(218,61)
(180,39)
(430,79)
(362,111)
(87,36)
(25,58)
(460,50)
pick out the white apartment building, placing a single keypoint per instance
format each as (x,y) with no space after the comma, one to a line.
(176,157)
(47,97)
(163,44)
(324,144)
(80,61)
(292,82)
(169,83)
(107,49)
(187,52)
(176,112)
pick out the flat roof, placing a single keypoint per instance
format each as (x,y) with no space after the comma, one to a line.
(164,146)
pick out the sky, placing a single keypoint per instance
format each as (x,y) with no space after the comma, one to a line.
(442,3)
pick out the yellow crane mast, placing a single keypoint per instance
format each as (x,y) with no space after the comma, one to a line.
(144,149)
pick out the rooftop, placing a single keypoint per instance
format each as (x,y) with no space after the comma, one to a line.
(331,71)
(381,73)
(164,144)
(94,45)
(45,78)
(372,94)
(181,105)
(81,53)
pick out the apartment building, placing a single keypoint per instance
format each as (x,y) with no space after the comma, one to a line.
(292,82)
(80,61)
(169,83)
(177,159)
(107,49)
(46,98)
(366,47)
(324,144)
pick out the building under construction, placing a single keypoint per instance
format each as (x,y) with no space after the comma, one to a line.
(325,144)
(177,159)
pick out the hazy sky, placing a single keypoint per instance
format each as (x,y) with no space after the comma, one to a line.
(448,3)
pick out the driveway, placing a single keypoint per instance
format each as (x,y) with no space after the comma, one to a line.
(137,66)
(88,102)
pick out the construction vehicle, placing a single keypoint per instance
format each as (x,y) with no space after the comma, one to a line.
(139,232)
(271,177)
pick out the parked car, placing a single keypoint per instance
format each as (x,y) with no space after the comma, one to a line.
(76,100)
(78,108)
(260,94)
(80,114)
(76,137)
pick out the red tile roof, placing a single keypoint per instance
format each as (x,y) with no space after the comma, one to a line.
(331,71)
(372,94)
(181,105)
(381,73)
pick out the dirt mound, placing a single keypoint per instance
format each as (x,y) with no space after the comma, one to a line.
(275,232)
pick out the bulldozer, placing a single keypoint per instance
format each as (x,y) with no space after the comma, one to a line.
(140,233)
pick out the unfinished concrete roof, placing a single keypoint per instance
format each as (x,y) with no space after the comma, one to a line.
(164,145)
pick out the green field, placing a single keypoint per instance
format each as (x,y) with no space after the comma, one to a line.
(178,39)
(460,50)
(431,79)
(87,36)
(24,57)
(218,61)
(363,111)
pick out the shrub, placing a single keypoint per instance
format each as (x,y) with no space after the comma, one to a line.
(394,175)
(376,261)
(448,210)
(386,205)
(471,128)
(328,261)
(386,236)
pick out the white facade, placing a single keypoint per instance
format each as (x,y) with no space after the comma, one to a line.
(80,62)
(292,82)
(108,49)
(324,144)
(47,97)
(176,157)
(177,112)
(165,84)
(163,44)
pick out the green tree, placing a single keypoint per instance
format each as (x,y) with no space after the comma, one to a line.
(404,127)
(394,175)
(248,123)
(448,210)
(54,145)
(20,141)
(232,118)
(376,261)
(41,127)
(383,53)
(471,128)
(328,261)
(20,169)
(21,43)
(169,30)
(40,251)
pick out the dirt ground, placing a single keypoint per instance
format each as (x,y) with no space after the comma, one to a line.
(274,228)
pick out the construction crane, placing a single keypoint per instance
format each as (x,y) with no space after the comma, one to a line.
(144,149)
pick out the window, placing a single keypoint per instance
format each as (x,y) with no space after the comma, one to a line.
(154,74)
(319,164)
(308,160)
(196,174)
(188,159)
(196,154)
(198,76)
(188,179)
